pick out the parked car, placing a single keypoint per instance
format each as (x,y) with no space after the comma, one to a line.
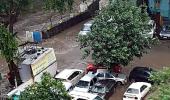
(85,83)
(69,77)
(84,96)
(137,91)
(151,32)
(140,74)
(104,88)
(165,32)
(86,28)
(118,77)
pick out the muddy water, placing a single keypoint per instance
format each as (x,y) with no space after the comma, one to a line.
(69,55)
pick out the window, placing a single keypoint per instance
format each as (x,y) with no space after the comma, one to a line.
(95,80)
(98,89)
(83,84)
(133,91)
(100,75)
(143,88)
(81,99)
(75,74)
(108,75)
(91,83)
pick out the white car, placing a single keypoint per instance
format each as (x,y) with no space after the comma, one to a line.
(69,77)
(150,33)
(86,28)
(85,83)
(118,77)
(137,91)
(84,96)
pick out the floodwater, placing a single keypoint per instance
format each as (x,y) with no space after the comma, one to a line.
(69,55)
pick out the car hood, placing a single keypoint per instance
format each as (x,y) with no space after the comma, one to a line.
(102,95)
(165,33)
(67,85)
(81,89)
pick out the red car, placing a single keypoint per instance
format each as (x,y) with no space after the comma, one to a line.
(91,67)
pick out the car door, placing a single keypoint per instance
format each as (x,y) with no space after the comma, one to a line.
(140,77)
(144,90)
(109,76)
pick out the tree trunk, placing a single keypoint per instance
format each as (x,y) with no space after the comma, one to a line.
(14,69)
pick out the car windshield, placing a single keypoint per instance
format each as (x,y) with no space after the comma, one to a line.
(133,91)
(166,28)
(98,89)
(63,80)
(86,28)
(97,98)
(82,84)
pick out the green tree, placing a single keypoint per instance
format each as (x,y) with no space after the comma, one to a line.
(8,50)
(47,89)
(10,10)
(118,34)
(59,6)
(161,90)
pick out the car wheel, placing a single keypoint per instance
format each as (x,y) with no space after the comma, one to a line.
(119,83)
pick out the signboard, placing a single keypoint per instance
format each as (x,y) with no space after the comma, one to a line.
(44,61)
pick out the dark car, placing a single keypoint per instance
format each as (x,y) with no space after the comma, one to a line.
(104,88)
(140,74)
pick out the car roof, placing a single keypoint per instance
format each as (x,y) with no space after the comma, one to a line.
(66,73)
(89,22)
(137,85)
(88,77)
(142,68)
(84,95)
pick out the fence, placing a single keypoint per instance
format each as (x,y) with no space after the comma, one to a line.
(91,11)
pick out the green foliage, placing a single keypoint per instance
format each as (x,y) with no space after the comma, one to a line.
(13,5)
(47,89)
(118,34)
(8,44)
(161,85)
(58,5)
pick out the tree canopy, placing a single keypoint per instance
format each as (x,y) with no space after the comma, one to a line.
(11,9)
(161,90)
(118,34)
(48,89)
(8,44)
(58,5)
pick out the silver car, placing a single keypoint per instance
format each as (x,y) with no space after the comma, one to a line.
(118,77)
(165,33)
